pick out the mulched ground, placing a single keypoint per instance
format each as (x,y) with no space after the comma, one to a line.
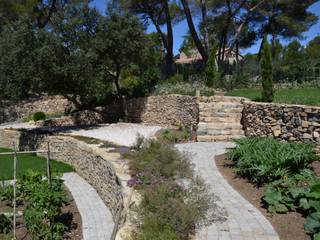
(70,216)
(289,226)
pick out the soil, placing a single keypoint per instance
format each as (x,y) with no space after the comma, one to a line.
(70,217)
(289,226)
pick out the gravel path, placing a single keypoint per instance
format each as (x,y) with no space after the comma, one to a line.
(123,134)
(244,222)
(97,222)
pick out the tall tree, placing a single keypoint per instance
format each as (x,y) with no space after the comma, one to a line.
(266,73)
(284,19)
(200,46)
(159,13)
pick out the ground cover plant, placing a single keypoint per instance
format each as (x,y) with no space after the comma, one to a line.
(40,203)
(27,162)
(283,169)
(182,88)
(175,135)
(263,160)
(304,96)
(174,201)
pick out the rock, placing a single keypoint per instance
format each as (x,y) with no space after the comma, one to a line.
(316,134)
(306,136)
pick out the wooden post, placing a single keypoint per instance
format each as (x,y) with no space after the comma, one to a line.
(48,164)
(14,189)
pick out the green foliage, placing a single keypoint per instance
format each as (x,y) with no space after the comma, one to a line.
(158,160)
(211,72)
(44,207)
(173,201)
(263,160)
(289,193)
(39,116)
(5,224)
(266,73)
(182,88)
(177,78)
(175,136)
(300,192)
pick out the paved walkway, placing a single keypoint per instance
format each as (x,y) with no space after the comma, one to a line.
(97,222)
(244,222)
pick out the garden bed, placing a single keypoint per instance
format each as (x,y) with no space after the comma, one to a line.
(43,210)
(279,178)
(289,226)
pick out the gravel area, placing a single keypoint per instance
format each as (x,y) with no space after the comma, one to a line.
(123,134)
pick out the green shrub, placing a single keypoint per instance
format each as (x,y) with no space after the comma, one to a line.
(174,201)
(174,136)
(39,116)
(155,159)
(5,224)
(152,228)
(211,71)
(266,73)
(182,88)
(263,160)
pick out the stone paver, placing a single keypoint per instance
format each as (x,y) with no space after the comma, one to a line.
(244,222)
(97,222)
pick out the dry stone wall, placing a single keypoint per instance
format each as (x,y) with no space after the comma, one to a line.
(95,168)
(287,122)
(48,104)
(167,110)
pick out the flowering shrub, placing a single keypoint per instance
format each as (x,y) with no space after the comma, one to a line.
(174,200)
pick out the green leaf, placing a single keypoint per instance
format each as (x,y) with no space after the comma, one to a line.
(272,197)
(304,204)
(297,192)
(316,236)
(313,223)
(315,205)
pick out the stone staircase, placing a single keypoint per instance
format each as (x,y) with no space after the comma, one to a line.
(220,119)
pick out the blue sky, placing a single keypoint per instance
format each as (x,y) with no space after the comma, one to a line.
(182,28)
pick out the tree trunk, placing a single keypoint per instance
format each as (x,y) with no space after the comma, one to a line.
(169,55)
(205,24)
(193,31)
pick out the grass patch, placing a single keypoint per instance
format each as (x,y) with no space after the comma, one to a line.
(28,162)
(304,96)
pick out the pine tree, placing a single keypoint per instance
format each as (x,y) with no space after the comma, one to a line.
(266,73)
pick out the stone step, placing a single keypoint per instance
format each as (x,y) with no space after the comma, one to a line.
(224,132)
(236,119)
(205,106)
(221,114)
(218,126)
(210,138)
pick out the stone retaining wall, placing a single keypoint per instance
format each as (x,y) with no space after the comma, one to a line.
(48,104)
(88,163)
(287,122)
(168,110)
(165,110)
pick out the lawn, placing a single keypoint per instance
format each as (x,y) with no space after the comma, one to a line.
(28,162)
(305,96)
